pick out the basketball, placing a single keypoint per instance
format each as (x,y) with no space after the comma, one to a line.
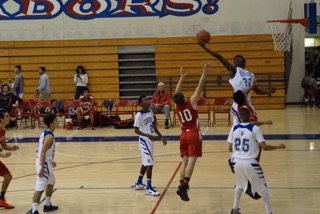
(203,37)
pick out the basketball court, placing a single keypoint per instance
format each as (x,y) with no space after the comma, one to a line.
(95,169)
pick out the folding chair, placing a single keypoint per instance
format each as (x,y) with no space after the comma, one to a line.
(105,113)
(125,107)
(25,115)
(221,106)
(204,108)
(42,109)
(63,112)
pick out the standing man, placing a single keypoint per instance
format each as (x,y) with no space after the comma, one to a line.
(190,138)
(18,84)
(144,127)
(44,165)
(161,103)
(4,172)
(239,79)
(43,90)
(244,142)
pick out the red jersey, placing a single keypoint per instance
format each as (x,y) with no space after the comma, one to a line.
(86,103)
(253,115)
(188,116)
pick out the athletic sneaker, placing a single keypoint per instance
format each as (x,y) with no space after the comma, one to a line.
(92,126)
(234,211)
(138,186)
(50,208)
(183,192)
(4,204)
(152,192)
(35,212)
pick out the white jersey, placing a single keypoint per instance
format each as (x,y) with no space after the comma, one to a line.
(242,80)
(50,152)
(144,121)
(245,138)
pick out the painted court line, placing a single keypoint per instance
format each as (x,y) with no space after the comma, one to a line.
(165,190)
(30,211)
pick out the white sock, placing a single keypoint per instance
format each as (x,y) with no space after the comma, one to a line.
(48,201)
(35,207)
(237,195)
(266,201)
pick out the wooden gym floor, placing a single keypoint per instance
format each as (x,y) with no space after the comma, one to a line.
(95,169)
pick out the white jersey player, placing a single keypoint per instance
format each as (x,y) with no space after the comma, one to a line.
(244,140)
(45,164)
(242,81)
(145,128)
(239,78)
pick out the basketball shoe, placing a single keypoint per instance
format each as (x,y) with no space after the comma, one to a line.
(50,208)
(4,204)
(183,192)
(152,192)
(234,211)
(138,186)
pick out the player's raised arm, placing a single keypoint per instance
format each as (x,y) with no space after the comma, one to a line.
(230,67)
(182,76)
(196,94)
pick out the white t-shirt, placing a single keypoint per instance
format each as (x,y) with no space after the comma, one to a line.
(245,138)
(144,121)
(81,82)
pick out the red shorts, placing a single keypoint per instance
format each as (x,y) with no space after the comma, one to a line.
(91,111)
(3,169)
(191,143)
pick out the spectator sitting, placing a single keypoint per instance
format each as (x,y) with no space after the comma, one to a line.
(309,80)
(8,99)
(161,103)
(86,109)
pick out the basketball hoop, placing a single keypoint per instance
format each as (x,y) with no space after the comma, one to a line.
(282,32)
(281,36)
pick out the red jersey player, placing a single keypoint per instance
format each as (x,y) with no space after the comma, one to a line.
(190,138)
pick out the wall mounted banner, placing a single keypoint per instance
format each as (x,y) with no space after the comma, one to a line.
(93,9)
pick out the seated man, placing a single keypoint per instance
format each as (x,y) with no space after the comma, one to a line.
(86,104)
(161,103)
(309,80)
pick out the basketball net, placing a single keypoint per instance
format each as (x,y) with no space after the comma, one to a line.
(282,32)
(281,35)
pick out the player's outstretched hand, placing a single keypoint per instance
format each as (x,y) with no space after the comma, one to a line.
(282,146)
(164,140)
(201,45)
(182,74)
(5,155)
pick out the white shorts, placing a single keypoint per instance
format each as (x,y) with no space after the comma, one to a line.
(47,179)
(146,149)
(249,170)
(235,115)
